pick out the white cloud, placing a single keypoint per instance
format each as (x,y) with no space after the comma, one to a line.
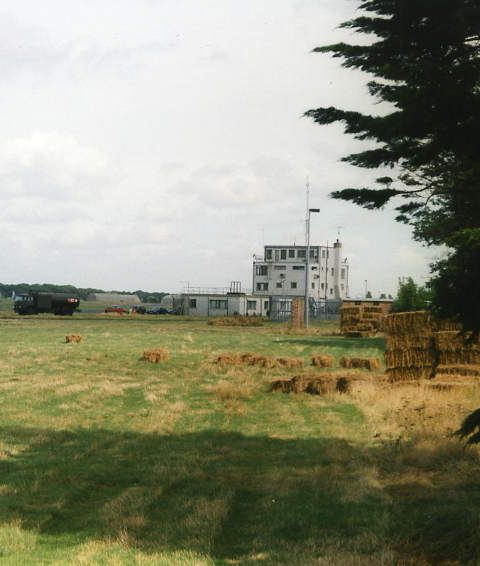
(169,136)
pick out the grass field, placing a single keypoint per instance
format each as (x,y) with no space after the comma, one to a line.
(107,459)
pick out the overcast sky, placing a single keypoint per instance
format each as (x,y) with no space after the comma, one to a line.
(150,143)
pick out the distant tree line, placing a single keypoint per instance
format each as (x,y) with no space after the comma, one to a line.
(7,289)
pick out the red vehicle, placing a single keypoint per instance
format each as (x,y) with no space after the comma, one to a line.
(117,309)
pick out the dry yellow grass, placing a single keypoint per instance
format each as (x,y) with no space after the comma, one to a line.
(416,409)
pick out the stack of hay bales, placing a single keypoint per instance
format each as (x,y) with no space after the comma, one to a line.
(298,313)
(419,346)
(454,356)
(410,352)
(362,318)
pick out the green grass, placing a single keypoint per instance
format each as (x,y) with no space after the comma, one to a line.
(106,459)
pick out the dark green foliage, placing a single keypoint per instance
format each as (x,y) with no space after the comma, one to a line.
(7,289)
(411,297)
(424,58)
(470,428)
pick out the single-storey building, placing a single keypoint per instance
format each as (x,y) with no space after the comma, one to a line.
(114,298)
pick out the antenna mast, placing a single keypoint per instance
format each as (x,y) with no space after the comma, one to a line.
(307,191)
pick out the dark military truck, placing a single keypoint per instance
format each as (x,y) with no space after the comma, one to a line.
(35,302)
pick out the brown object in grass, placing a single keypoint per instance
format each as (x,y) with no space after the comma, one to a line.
(289,362)
(269,362)
(366,363)
(283,385)
(263,361)
(228,358)
(73,338)
(156,355)
(237,320)
(298,313)
(322,361)
(313,384)
(472,370)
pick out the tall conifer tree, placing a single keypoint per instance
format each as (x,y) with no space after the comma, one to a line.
(424,59)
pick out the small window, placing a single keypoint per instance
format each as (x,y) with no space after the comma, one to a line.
(314,267)
(332,270)
(193,303)
(323,253)
(262,286)
(313,285)
(268,253)
(283,254)
(293,285)
(218,304)
(302,253)
(291,253)
(261,269)
(265,305)
(278,285)
(279,267)
(342,273)
(298,267)
(312,253)
(251,305)
(331,291)
(322,286)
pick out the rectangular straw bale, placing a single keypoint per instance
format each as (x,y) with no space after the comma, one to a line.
(365,363)
(156,355)
(446,325)
(282,385)
(322,361)
(289,362)
(459,357)
(451,340)
(263,361)
(471,370)
(408,341)
(350,311)
(371,310)
(409,373)
(409,358)
(73,338)
(229,358)
(417,322)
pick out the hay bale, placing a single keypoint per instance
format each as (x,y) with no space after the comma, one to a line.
(73,338)
(410,373)
(228,358)
(282,385)
(289,362)
(322,361)
(156,355)
(246,357)
(297,313)
(360,363)
(321,383)
(470,370)
(409,357)
(416,322)
(263,361)
(237,320)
